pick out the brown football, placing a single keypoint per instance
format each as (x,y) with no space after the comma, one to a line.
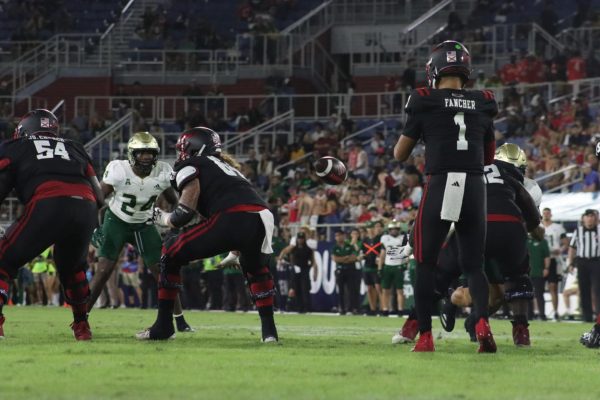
(331,170)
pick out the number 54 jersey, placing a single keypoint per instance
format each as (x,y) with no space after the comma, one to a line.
(134,197)
(455,126)
(46,166)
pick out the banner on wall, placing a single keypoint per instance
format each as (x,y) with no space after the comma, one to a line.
(324,296)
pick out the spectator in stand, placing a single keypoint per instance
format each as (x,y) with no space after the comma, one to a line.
(509,73)
(591,179)
(358,160)
(549,18)
(576,68)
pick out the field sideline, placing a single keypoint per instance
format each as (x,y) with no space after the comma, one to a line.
(324,357)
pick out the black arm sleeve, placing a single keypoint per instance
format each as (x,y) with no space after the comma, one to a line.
(181,216)
(525,202)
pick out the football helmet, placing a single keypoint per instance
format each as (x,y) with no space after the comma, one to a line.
(448,58)
(198,141)
(142,142)
(513,154)
(393,224)
(598,149)
(37,121)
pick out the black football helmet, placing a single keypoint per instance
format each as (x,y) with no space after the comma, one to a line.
(37,121)
(198,141)
(448,58)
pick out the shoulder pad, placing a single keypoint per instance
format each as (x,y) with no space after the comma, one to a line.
(414,102)
(487,102)
(534,190)
(114,173)
(184,175)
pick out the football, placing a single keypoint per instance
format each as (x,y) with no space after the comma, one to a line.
(331,170)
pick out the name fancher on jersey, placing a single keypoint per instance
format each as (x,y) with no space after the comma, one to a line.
(460,103)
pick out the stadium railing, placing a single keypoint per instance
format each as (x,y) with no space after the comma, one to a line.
(111,141)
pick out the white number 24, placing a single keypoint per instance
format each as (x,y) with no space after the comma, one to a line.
(44,150)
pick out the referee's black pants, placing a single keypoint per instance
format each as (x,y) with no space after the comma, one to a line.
(588,275)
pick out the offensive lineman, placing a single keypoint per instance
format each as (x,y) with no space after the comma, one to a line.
(211,185)
(55,180)
(457,128)
(136,184)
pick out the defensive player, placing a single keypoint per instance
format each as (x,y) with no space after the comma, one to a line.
(54,178)
(457,128)
(211,184)
(136,184)
(392,266)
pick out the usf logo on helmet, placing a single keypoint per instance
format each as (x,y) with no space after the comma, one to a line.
(513,154)
(140,143)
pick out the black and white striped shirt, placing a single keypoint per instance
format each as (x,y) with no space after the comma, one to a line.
(586,242)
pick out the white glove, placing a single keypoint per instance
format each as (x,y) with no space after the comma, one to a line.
(160,217)
(405,253)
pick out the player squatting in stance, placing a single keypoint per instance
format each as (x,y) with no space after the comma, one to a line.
(591,339)
(135,184)
(510,201)
(455,190)
(210,184)
(54,178)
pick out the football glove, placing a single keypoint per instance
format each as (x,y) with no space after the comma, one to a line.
(160,217)
(97,239)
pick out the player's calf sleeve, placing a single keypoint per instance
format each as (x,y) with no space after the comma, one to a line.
(77,294)
(169,281)
(262,287)
(479,290)
(424,292)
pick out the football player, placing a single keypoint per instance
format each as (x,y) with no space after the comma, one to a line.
(135,184)
(54,178)
(456,126)
(509,204)
(211,185)
(392,266)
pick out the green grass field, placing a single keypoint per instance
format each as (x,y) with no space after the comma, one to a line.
(318,357)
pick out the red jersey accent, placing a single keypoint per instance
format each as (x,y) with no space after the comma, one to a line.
(503,218)
(5,162)
(63,189)
(245,207)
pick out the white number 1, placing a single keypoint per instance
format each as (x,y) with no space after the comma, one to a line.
(462,143)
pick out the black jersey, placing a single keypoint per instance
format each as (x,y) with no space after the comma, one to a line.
(371,249)
(221,186)
(454,124)
(46,166)
(500,180)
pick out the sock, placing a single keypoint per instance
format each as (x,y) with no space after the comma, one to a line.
(424,288)
(179,320)
(165,311)
(267,321)
(479,289)
(520,320)
(4,279)
(77,292)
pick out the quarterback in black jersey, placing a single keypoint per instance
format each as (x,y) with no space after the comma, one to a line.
(54,178)
(456,126)
(236,218)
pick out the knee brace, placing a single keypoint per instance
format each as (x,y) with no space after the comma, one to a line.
(76,288)
(262,287)
(519,287)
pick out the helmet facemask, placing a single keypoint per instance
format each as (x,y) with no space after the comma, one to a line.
(144,165)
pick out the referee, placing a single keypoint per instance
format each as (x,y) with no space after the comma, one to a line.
(584,253)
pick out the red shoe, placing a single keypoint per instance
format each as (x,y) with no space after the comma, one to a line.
(408,333)
(2,319)
(520,335)
(425,343)
(81,330)
(485,337)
